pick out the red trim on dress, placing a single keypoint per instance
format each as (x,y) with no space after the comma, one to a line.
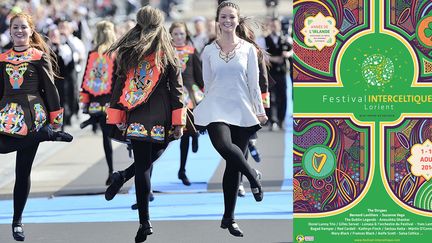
(56,118)
(179,117)
(84,98)
(266,99)
(115,116)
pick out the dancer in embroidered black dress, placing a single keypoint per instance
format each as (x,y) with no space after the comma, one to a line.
(28,102)
(147,99)
(97,85)
(192,88)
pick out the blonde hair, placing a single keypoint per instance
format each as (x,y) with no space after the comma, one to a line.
(105,36)
(147,37)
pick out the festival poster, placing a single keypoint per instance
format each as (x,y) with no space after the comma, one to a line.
(362,121)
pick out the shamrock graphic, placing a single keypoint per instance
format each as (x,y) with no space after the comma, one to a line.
(428,31)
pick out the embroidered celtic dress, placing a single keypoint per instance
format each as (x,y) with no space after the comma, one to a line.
(28,96)
(148,102)
(191,75)
(97,82)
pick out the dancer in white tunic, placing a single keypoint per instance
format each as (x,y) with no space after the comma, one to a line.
(232,108)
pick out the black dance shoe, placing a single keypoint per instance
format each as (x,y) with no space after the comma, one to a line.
(18,232)
(62,137)
(46,133)
(257,191)
(117,181)
(182,176)
(232,227)
(144,230)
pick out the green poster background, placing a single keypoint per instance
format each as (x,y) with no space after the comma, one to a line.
(365,96)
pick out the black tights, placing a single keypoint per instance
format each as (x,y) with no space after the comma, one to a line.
(184,149)
(11,144)
(231,143)
(144,154)
(157,151)
(24,162)
(107,144)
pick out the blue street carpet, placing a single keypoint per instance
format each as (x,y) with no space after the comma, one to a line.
(197,206)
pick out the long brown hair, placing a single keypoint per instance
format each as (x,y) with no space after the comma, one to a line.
(105,36)
(246,32)
(184,26)
(37,41)
(147,37)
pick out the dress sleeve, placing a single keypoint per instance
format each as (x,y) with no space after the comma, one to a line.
(264,83)
(252,80)
(49,92)
(175,83)
(206,68)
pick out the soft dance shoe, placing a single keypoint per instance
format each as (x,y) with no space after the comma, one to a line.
(182,176)
(144,230)
(232,227)
(46,133)
(117,181)
(62,137)
(257,191)
(18,232)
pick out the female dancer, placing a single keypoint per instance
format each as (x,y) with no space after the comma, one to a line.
(28,102)
(146,101)
(192,86)
(230,72)
(97,84)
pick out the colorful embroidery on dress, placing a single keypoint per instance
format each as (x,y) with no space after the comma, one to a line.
(57,121)
(136,130)
(96,107)
(18,57)
(40,116)
(187,101)
(16,74)
(139,84)
(184,58)
(21,57)
(98,76)
(198,94)
(12,120)
(183,53)
(158,133)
